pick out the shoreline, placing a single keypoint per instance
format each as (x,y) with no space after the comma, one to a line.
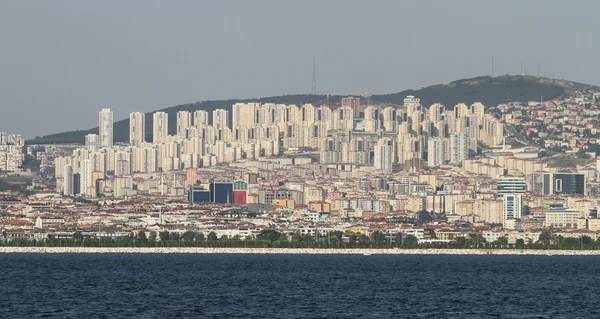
(294,251)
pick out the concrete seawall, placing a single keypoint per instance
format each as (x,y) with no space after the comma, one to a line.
(305,251)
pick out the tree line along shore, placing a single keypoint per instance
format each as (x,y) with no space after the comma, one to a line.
(294,251)
(270,238)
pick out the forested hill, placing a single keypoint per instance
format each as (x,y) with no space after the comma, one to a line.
(488,90)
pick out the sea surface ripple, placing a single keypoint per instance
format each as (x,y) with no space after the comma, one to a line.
(297,286)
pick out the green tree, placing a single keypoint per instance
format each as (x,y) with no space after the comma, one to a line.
(152,237)
(188,236)
(212,236)
(334,238)
(77,236)
(31,163)
(547,238)
(462,242)
(297,237)
(164,236)
(587,242)
(502,242)
(520,244)
(583,154)
(569,243)
(476,240)
(269,234)
(378,238)
(410,242)
(363,240)
(353,239)
(140,238)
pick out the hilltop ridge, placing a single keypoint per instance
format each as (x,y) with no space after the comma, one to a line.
(486,89)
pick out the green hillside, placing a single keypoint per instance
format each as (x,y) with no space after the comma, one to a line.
(488,90)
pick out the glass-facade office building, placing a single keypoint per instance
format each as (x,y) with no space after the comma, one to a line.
(558,183)
(198,194)
(221,191)
(568,184)
(511,185)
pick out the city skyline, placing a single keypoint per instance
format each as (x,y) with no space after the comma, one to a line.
(388,139)
(440,176)
(441,151)
(141,57)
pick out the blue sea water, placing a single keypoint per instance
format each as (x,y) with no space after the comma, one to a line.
(297,286)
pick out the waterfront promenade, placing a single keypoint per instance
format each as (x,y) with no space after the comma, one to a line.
(306,251)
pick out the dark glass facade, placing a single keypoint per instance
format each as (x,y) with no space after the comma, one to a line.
(76,183)
(221,192)
(547,184)
(569,184)
(198,195)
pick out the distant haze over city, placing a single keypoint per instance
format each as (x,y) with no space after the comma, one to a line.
(62,61)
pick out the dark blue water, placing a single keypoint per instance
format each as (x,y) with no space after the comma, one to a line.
(297,286)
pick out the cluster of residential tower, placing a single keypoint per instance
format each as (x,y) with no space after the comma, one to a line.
(312,169)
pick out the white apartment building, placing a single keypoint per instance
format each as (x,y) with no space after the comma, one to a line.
(562,218)
(68,180)
(512,207)
(436,152)
(137,128)
(85,172)
(184,121)
(92,141)
(220,119)
(458,147)
(383,156)
(11,152)
(200,118)
(105,128)
(160,127)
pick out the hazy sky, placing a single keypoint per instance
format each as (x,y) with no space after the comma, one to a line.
(62,61)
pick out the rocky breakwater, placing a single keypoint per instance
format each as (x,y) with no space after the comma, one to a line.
(306,251)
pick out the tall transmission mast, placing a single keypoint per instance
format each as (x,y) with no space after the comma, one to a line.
(313,90)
